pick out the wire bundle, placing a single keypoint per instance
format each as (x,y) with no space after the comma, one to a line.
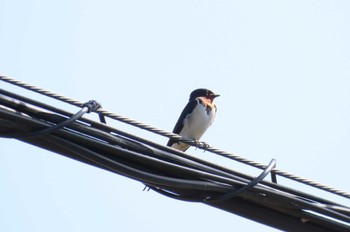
(163,169)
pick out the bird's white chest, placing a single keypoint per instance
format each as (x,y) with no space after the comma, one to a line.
(198,122)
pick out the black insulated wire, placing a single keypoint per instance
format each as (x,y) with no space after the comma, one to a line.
(137,174)
(250,185)
(88,107)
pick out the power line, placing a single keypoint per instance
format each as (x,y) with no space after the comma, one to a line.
(158,131)
(167,171)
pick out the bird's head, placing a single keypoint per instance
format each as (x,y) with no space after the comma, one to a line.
(203,93)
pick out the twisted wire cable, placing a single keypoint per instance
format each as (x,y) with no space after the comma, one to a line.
(201,145)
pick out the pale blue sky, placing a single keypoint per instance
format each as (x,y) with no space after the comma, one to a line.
(282,69)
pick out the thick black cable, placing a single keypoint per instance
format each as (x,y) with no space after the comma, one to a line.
(130,154)
(155,179)
(176,196)
(134,173)
(146,182)
(311,206)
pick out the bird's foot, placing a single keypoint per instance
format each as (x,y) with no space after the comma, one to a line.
(199,144)
(146,188)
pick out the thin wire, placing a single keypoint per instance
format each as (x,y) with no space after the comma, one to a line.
(150,128)
(80,104)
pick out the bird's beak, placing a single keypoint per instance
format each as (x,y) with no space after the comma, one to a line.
(215,95)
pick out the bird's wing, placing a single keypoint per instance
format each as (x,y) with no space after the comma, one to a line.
(179,125)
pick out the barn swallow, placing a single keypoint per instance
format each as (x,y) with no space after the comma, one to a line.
(195,119)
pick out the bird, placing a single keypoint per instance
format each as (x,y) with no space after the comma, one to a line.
(196,118)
